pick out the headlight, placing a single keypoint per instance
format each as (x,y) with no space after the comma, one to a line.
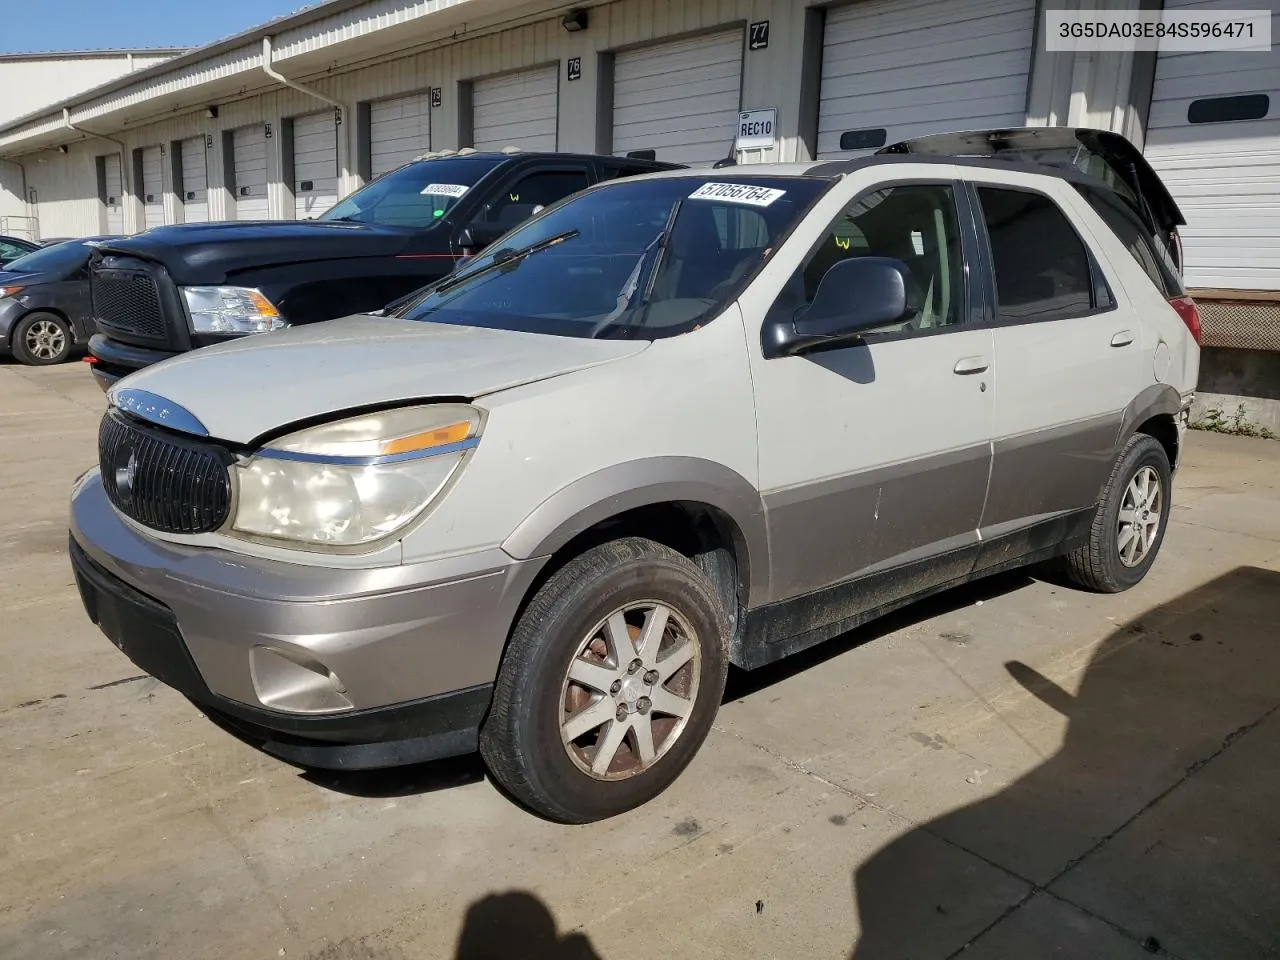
(355,481)
(231,310)
(9,292)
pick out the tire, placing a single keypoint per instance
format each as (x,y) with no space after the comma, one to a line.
(41,339)
(543,737)
(1114,559)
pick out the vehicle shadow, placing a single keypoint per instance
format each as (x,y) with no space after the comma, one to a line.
(409,781)
(516,924)
(1152,830)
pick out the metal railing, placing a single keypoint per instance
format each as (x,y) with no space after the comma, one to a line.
(25,227)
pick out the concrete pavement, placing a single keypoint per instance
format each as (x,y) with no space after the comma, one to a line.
(1012,770)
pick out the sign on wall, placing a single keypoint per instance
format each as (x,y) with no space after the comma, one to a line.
(757,129)
(758,36)
(574,69)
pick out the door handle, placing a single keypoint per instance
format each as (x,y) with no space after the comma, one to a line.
(970,365)
(1122,339)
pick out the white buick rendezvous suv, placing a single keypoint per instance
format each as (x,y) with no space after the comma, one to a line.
(670,424)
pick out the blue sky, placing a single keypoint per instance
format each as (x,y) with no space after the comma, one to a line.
(35,25)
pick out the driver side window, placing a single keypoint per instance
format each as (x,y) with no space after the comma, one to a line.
(531,193)
(914,223)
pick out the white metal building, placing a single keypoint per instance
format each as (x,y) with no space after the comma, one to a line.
(31,81)
(281,121)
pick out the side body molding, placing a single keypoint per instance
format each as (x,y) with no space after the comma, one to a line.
(641,483)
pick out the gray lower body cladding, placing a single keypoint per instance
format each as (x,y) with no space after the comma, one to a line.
(401,657)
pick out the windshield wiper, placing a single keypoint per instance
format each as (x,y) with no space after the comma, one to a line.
(507,257)
(657,249)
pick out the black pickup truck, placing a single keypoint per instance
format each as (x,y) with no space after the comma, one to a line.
(176,288)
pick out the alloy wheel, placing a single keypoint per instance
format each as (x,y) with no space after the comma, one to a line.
(1141,513)
(45,340)
(629,690)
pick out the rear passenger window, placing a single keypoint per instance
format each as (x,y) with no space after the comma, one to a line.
(1041,266)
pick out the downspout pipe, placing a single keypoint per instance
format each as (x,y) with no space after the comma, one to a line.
(276,75)
(126,168)
(119,144)
(338,106)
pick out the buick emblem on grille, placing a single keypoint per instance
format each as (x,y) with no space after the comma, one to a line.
(125,475)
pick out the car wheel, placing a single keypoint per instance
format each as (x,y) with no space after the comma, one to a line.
(610,682)
(41,339)
(1130,522)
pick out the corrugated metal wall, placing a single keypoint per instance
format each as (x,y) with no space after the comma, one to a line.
(65,187)
(772,77)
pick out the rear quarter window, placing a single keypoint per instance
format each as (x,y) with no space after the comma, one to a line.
(1133,233)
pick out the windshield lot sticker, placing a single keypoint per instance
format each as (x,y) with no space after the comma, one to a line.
(738,193)
(454,190)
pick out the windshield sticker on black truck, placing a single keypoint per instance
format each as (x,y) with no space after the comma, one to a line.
(738,193)
(454,190)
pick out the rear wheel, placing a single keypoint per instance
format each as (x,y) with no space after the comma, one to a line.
(41,339)
(1128,528)
(610,683)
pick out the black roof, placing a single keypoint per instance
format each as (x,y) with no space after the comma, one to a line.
(654,165)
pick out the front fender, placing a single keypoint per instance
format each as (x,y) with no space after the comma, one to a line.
(642,483)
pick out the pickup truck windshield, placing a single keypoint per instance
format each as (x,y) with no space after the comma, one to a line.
(639,258)
(415,195)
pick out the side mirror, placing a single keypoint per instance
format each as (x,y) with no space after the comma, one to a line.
(478,234)
(856,296)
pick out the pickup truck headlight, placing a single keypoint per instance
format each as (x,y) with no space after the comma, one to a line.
(355,481)
(231,310)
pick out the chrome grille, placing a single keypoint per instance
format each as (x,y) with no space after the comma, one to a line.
(163,481)
(128,301)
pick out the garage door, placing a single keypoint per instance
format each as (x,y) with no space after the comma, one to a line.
(113,194)
(195,181)
(1214,136)
(518,109)
(399,130)
(893,69)
(152,187)
(315,164)
(249,149)
(680,100)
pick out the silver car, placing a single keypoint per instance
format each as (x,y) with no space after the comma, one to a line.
(670,424)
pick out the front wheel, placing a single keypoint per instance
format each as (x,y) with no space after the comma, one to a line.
(1130,522)
(610,683)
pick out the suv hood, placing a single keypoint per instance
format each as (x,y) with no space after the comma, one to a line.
(205,253)
(259,385)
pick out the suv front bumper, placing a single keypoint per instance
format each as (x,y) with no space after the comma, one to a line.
(114,360)
(411,652)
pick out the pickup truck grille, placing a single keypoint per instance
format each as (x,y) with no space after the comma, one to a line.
(126,302)
(161,480)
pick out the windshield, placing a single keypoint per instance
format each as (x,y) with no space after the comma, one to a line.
(60,256)
(637,258)
(416,195)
